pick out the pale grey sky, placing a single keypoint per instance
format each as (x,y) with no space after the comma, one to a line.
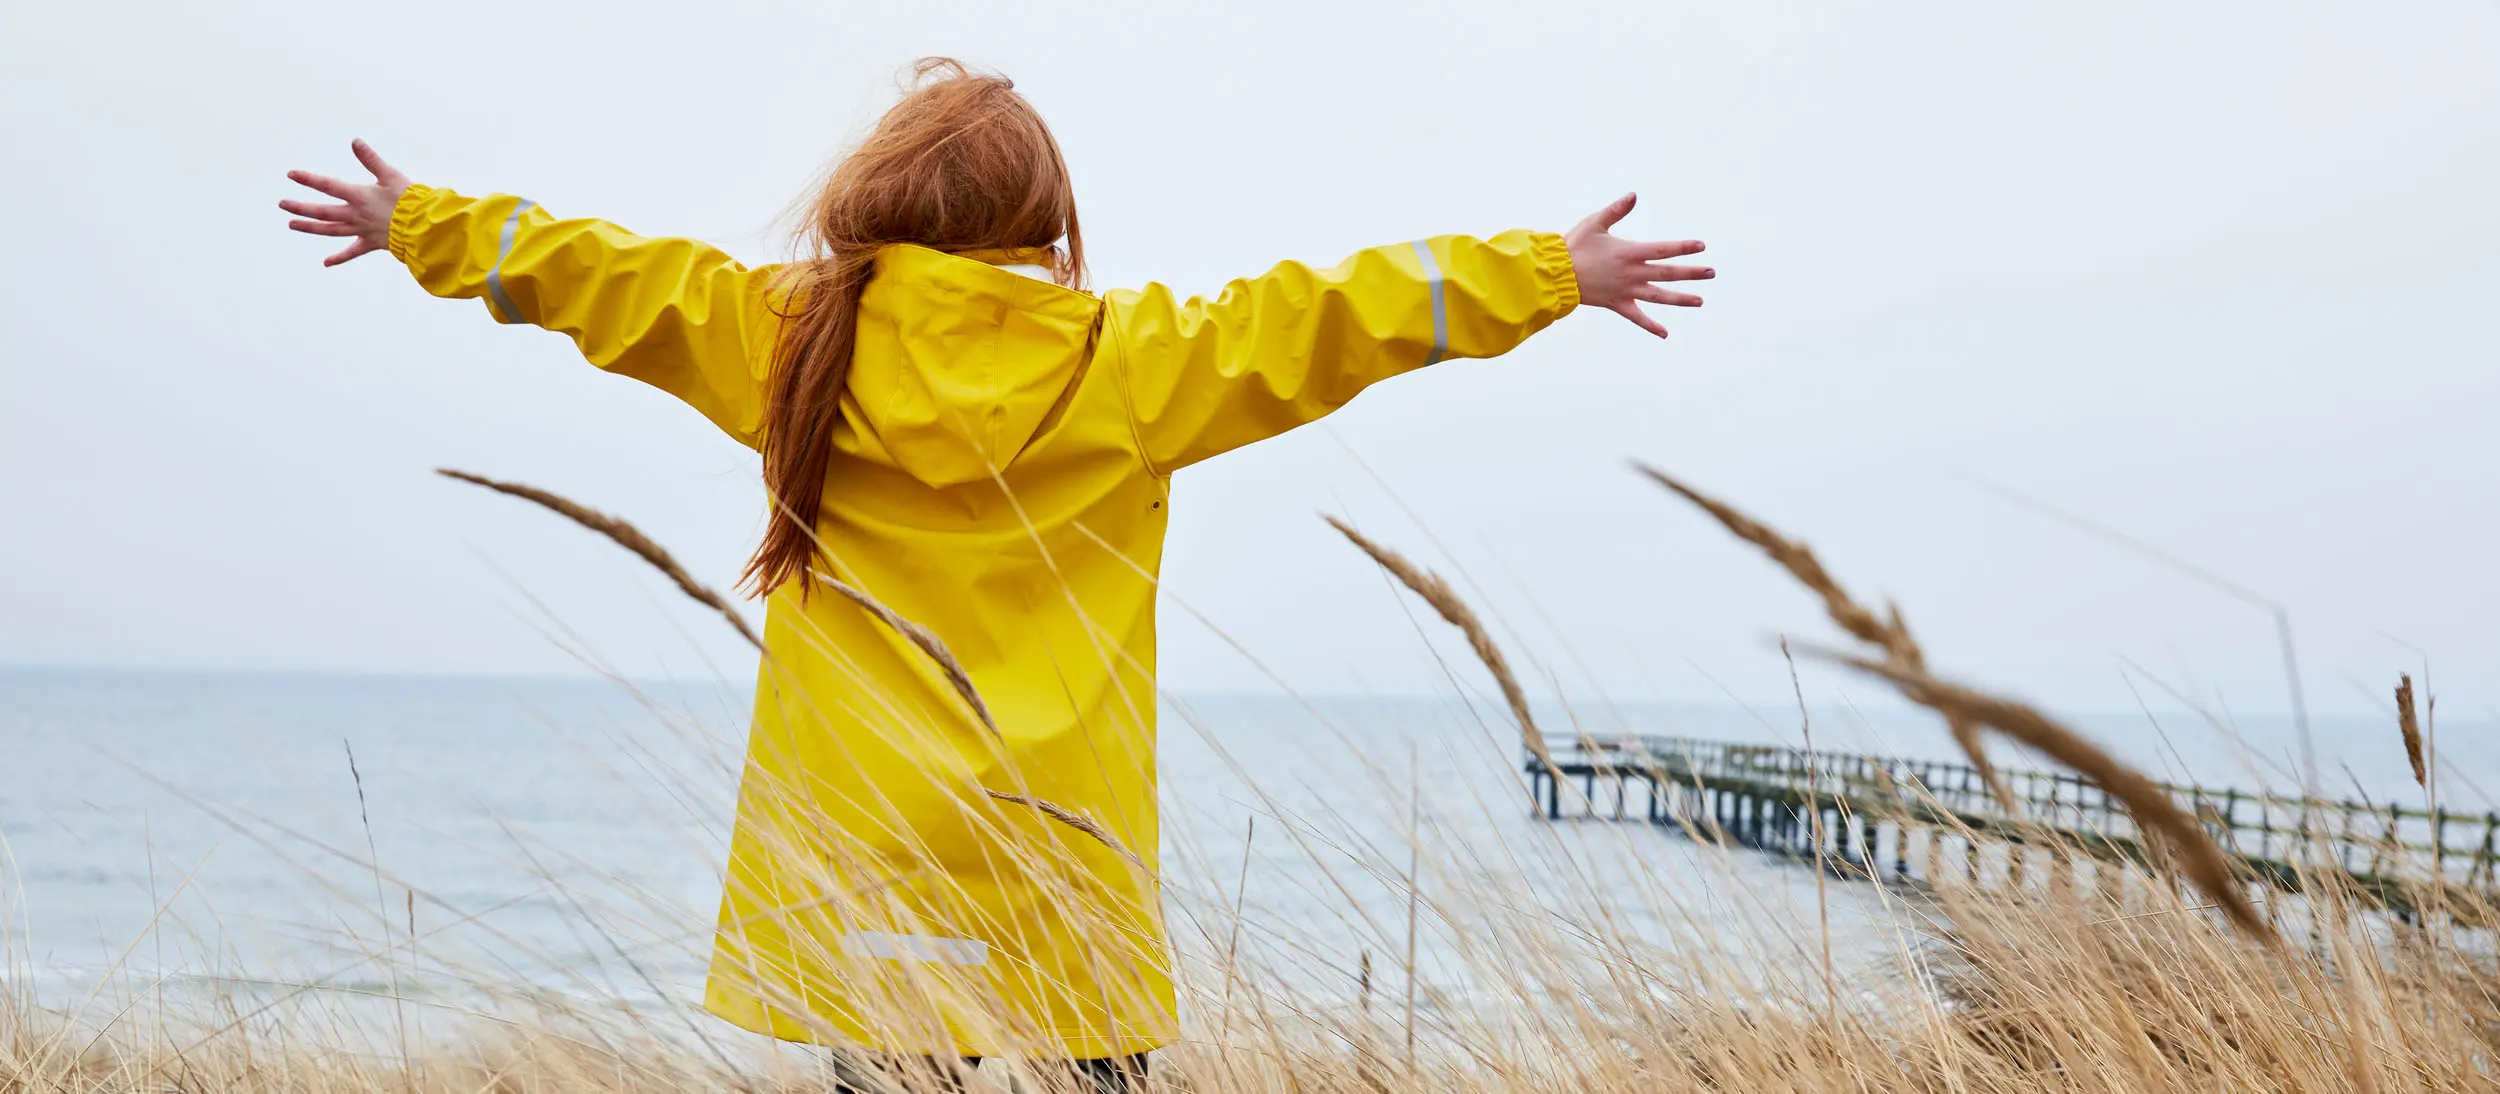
(2217,274)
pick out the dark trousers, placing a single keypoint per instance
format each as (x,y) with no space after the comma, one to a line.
(891,1075)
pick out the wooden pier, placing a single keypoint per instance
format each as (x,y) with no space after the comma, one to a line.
(1901,820)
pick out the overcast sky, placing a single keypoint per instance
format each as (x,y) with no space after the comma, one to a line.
(2220,275)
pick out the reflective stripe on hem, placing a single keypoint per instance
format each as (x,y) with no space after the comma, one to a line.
(1440,308)
(512,227)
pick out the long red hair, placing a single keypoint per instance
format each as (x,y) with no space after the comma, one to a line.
(962,163)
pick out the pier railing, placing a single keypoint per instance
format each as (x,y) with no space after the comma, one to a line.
(1770,796)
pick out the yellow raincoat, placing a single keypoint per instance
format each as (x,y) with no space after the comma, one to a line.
(1003,477)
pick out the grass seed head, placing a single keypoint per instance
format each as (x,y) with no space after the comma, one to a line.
(625,535)
(2411,727)
(1437,593)
(1967,711)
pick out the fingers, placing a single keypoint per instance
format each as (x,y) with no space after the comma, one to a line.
(317,212)
(1655,295)
(1651,252)
(1639,318)
(383,172)
(1660,271)
(361,246)
(344,191)
(322,227)
(1605,218)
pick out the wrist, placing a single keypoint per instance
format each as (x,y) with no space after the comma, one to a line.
(1587,274)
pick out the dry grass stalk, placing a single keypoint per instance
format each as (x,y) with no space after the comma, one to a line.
(1822,897)
(929,643)
(1436,592)
(1889,632)
(2411,727)
(632,539)
(934,647)
(1072,819)
(2012,997)
(1904,665)
(2155,813)
(625,535)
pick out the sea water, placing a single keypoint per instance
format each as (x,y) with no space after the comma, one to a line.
(403,835)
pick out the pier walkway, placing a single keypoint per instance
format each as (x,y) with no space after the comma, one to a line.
(1888,819)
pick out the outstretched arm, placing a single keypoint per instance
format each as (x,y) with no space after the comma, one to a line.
(675,313)
(1273,352)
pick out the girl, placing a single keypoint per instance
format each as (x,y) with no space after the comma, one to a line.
(949,421)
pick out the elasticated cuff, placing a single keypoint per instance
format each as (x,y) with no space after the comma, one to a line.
(404,221)
(1553,256)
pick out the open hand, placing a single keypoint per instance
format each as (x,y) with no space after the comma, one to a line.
(1620,274)
(366,214)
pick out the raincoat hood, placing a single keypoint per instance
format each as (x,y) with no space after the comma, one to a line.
(960,363)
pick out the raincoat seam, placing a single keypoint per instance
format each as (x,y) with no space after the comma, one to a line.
(1056,416)
(993,425)
(1118,345)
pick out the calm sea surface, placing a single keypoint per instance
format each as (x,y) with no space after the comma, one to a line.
(568,835)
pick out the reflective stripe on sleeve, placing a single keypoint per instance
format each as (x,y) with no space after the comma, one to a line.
(512,226)
(1440,308)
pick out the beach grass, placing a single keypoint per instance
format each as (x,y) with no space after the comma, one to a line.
(2174,974)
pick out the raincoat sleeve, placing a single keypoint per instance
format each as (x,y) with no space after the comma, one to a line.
(1287,347)
(674,313)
